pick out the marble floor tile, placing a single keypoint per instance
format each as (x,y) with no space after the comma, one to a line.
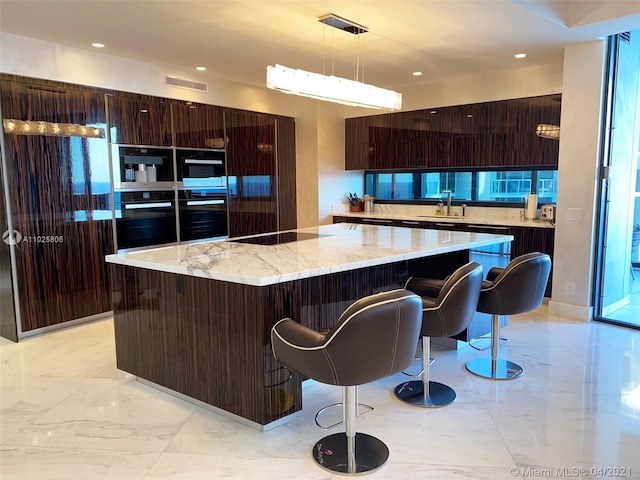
(66,412)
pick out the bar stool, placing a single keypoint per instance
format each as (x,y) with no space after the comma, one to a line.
(448,306)
(361,410)
(517,288)
(372,339)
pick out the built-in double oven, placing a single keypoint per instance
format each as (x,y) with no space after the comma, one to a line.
(145,217)
(181,196)
(203,196)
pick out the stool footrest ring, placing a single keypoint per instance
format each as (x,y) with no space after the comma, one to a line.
(365,407)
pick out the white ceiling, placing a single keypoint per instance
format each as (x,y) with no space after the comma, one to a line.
(236,39)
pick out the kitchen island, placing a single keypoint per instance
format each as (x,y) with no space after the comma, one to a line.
(195,320)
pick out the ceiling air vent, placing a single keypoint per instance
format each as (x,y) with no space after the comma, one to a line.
(174,81)
(625,37)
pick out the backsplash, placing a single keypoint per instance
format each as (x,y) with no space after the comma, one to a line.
(495,213)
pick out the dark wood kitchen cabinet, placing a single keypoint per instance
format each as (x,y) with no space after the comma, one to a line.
(286,173)
(482,135)
(139,120)
(59,196)
(197,125)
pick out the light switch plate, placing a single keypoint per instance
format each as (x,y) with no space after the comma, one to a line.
(573,214)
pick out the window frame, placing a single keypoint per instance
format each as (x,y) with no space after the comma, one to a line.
(417,187)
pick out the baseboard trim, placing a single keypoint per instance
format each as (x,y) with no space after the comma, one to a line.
(68,324)
(216,410)
(567,310)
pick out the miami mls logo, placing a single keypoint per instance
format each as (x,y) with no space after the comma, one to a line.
(11,237)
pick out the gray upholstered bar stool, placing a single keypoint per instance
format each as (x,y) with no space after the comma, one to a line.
(517,288)
(448,306)
(373,338)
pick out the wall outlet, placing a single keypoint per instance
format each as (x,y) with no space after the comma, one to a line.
(570,288)
(573,214)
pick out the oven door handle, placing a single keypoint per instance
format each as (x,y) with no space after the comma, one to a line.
(136,206)
(205,202)
(202,162)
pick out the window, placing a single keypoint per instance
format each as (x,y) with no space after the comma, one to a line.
(495,186)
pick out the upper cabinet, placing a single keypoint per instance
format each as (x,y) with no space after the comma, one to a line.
(251,168)
(198,126)
(139,120)
(491,134)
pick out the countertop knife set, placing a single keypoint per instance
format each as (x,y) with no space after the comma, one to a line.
(364,204)
(356,204)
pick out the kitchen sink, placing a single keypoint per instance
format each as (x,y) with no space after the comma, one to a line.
(440,217)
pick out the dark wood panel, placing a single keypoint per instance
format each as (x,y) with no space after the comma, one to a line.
(8,326)
(197,125)
(251,163)
(57,185)
(489,134)
(286,159)
(140,120)
(357,156)
(531,239)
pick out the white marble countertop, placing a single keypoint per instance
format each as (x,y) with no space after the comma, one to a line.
(341,247)
(472,220)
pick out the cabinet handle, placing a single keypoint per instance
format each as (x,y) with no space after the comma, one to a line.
(136,206)
(444,224)
(488,227)
(203,162)
(372,220)
(406,222)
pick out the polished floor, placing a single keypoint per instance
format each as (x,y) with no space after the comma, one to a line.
(68,413)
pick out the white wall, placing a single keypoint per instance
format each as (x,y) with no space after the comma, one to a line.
(577,179)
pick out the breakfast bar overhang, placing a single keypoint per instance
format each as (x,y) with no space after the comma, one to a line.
(195,319)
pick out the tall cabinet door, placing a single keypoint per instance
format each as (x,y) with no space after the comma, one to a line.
(59,195)
(286,166)
(198,126)
(251,168)
(140,120)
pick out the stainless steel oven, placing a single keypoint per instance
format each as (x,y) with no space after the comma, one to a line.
(145,218)
(203,213)
(201,167)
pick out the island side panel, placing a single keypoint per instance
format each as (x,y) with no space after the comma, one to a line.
(202,338)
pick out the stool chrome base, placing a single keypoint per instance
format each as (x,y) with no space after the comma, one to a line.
(330,453)
(412,393)
(496,369)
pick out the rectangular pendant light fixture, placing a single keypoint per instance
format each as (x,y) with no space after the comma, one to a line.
(31,127)
(331,88)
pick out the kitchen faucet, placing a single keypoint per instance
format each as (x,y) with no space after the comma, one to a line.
(448,203)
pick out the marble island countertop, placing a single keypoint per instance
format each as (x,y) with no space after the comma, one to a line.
(331,249)
(475,220)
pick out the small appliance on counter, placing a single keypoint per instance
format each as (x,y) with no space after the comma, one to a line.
(531,206)
(548,212)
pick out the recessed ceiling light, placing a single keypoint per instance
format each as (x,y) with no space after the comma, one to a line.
(97,45)
(434,111)
(417,74)
(201,69)
(520,55)
(469,116)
